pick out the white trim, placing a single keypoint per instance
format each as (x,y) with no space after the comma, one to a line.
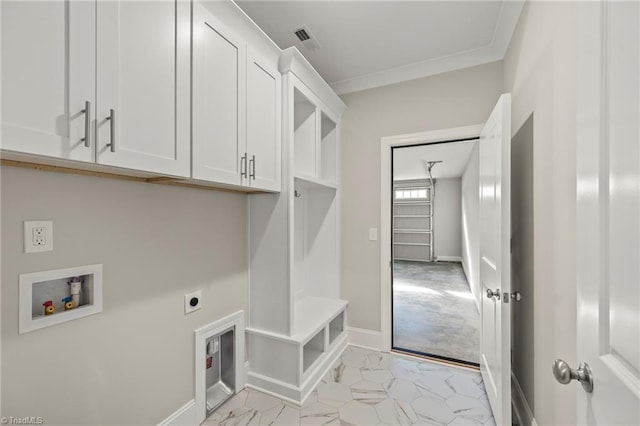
(386,143)
(417,70)
(449,259)
(235,320)
(183,416)
(520,404)
(365,338)
(507,21)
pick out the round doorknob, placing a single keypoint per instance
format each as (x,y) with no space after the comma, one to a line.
(492,293)
(565,374)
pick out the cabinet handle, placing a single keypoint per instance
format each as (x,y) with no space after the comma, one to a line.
(243,166)
(87,124)
(253,167)
(112,127)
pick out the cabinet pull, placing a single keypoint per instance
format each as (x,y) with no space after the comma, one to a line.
(112,127)
(253,167)
(243,166)
(87,124)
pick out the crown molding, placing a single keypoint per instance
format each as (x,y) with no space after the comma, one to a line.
(495,51)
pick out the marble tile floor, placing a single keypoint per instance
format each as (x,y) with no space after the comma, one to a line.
(366,387)
(434,311)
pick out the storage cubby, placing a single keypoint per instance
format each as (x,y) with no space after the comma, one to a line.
(312,350)
(328,146)
(304,135)
(315,242)
(53,297)
(336,327)
(294,281)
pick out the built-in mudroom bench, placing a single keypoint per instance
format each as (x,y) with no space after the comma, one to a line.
(297,320)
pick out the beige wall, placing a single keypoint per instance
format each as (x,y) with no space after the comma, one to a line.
(522,256)
(133,363)
(454,99)
(539,70)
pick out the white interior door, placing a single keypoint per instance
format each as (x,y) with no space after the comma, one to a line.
(495,258)
(143,77)
(608,231)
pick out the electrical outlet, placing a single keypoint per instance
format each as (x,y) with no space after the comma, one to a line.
(192,302)
(38,236)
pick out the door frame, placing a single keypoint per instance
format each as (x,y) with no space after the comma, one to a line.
(386,144)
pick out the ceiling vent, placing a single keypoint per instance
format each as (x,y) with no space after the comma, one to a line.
(305,37)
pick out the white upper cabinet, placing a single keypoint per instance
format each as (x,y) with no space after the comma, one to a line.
(103,81)
(236,108)
(142,116)
(264,108)
(161,87)
(48,78)
(219,66)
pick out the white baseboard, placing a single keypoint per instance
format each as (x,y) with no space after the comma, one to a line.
(520,404)
(449,259)
(365,338)
(184,416)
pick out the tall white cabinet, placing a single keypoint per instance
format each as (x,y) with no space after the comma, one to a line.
(297,319)
(81,81)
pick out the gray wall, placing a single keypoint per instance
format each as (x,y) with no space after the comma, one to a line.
(133,363)
(540,71)
(458,98)
(447,219)
(522,268)
(471,223)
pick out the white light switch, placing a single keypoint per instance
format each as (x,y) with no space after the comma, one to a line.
(373,234)
(38,236)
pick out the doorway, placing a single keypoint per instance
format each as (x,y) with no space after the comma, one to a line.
(433,206)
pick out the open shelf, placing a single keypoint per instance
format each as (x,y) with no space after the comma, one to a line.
(304,135)
(312,314)
(312,350)
(336,327)
(328,146)
(308,182)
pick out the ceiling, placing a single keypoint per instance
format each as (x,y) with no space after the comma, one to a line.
(409,162)
(365,44)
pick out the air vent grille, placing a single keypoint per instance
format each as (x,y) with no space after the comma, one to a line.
(302,34)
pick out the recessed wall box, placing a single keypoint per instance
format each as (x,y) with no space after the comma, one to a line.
(73,292)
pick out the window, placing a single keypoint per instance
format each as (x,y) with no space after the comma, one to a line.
(411,193)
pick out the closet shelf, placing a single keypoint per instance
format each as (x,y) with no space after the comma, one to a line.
(412,215)
(412,231)
(412,203)
(412,244)
(308,182)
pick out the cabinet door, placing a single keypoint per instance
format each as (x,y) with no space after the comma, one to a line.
(263,123)
(219,79)
(143,85)
(48,71)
